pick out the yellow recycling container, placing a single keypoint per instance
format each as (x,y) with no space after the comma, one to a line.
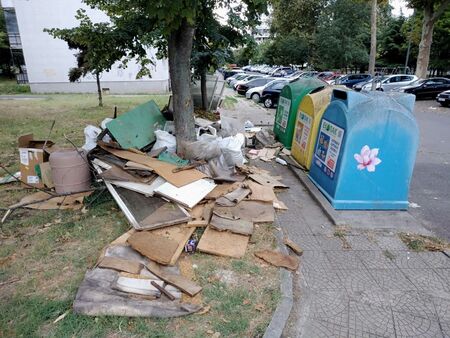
(309,114)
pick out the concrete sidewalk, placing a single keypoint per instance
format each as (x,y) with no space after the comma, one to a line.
(360,282)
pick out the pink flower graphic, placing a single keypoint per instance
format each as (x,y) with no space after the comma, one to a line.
(367,159)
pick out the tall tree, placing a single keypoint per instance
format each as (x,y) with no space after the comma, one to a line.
(170,26)
(432,10)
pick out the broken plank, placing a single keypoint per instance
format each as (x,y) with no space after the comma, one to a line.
(158,248)
(188,195)
(278,259)
(267,180)
(238,226)
(260,192)
(177,233)
(223,243)
(120,264)
(168,214)
(293,246)
(179,281)
(252,211)
(163,290)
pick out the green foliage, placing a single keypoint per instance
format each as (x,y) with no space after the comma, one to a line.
(11,87)
(392,42)
(440,50)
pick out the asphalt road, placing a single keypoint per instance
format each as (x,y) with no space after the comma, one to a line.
(430,187)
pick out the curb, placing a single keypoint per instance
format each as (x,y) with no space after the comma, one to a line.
(315,193)
(283,310)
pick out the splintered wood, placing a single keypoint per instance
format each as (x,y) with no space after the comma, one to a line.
(239,226)
(252,211)
(120,264)
(223,243)
(157,248)
(278,259)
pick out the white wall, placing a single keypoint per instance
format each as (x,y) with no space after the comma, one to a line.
(48,60)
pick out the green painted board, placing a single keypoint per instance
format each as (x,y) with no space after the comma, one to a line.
(136,128)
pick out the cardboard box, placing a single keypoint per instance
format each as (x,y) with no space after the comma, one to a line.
(32,155)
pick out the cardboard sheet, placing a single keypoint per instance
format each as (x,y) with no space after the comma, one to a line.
(74,202)
(167,214)
(155,247)
(177,233)
(267,180)
(163,169)
(252,211)
(120,264)
(260,192)
(278,259)
(223,243)
(238,226)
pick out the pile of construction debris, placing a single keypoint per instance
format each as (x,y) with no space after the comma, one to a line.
(208,201)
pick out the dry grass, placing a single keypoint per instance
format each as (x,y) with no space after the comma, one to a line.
(417,242)
(45,254)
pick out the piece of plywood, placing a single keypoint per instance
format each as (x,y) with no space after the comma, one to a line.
(252,211)
(120,264)
(260,192)
(46,174)
(136,128)
(179,281)
(188,195)
(43,201)
(279,205)
(139,286)
(278,259)
(237,226)
(167,214)
(201,214)
(177,233)
(294,246)
(163,169)
(146,189)
(222,189)
(155,247)
(223,243)
(233,197)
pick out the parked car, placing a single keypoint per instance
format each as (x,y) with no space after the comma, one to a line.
(246,79)
(391,82)
(233,82)
(444,98)
(428,88)
(242,88)
(231,72)
(282,72)
(327,75)
(236,77)
(271,94)
(352,79)
(311,73)
(255,93)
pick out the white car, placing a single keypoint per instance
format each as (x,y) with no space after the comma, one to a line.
(391,82)
(256,92)
(246,80)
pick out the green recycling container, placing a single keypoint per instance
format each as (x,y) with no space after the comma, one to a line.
(290,97)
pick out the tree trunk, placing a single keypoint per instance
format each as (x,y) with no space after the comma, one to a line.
(204,90)
(373,41)
(99,90)
(423,58)
(180,49)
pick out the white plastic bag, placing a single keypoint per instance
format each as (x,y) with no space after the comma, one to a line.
(164,139)
(231,149)
(91,133)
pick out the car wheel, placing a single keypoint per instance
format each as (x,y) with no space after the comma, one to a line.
(268,103)
(444,104)
(255,97)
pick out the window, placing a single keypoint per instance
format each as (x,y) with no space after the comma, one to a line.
(279,86)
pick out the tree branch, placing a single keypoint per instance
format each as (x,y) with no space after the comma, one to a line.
(441,9)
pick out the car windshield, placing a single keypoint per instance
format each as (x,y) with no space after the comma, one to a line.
(418,82)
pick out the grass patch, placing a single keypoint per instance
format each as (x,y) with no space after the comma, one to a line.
(9,87)
(229,102)
(389,255)
(417,242)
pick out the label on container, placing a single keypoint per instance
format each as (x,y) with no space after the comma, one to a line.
(303,130)
(32,179)
(328,147)
(284,106)
(24,156)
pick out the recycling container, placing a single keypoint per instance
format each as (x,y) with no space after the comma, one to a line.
(309,113)
(290,97)
(365,150)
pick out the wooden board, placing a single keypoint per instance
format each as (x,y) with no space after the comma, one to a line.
(167,214)
(222,189)
(260,192)
(188,195)
(179,281)
(142,188)
(252,211)
(177,233)
(201,215)
(233,197)
(120,264)
(238,226)
(223,243)
(163,169)
(118,174)
(158,248)
(40,201)
(267,180)
(294,246)
(278,259)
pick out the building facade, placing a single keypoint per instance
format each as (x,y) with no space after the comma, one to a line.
(45,61)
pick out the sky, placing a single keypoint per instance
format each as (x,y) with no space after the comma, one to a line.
(400,7)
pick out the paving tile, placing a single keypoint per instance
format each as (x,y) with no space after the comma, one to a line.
(407,325)
(344,260)
(315,259)
(323,329)
(331,306)
(330,242)
(307,242)
(380,298)
(390,242)
(445,327)
(408,260)
(357,280)
(361,242)
(375,260)
(391,280)
(414,303)
(426,279)
(316,279)
(371,321)
(442,306)
(445,275)
(435,259)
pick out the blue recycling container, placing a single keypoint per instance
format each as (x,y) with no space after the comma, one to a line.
(365,150)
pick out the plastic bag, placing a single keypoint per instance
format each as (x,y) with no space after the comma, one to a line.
(91,133)
(164,139)
(231,149)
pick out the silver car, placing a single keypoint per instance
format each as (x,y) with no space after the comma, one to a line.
(391,82)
